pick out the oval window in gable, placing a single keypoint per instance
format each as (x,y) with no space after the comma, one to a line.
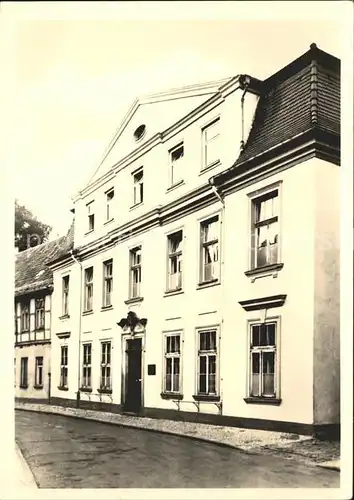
(139,132)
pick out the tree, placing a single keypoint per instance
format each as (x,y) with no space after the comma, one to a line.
(29,231)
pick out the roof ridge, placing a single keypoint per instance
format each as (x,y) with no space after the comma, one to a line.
(41,245)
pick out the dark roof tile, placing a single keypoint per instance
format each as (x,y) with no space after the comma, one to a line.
(31,270)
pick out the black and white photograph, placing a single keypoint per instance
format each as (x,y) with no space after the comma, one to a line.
(179,298)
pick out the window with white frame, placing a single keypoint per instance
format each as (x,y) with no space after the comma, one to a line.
(25,316)
(135,272)
(172,363)
(88,304)
(90,216)
(174,242)
(65,288)
(263,360)
(209,250)
(39,371)
(207,362)
(39,314)
(138,187)
(107,283)
(86,366)
(24,373)
(265,230)
(109,203)
(211,147)
(64,366)
(176,164)
(106,378)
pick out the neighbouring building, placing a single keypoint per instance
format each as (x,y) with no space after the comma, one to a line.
(204,279)
(33,294)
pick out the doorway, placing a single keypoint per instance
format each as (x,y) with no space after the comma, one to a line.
(133,373)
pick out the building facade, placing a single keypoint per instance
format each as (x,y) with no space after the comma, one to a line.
(33,296)
(203,282)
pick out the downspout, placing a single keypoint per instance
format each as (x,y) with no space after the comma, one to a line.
(80,315)
(222,273)
(247,81)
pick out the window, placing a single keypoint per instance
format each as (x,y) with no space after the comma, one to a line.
(24,373)
(14,372)
(25,317)
(175,261)
(209,234)
(172,363)
(207,362)
(139,132)
(64,366)
(265,230)
(39,372)
(90,216)
(39,314)
(176,164)
(106,379)
(211,149)
(86,366)
(138,187)
(263,360)
(107,283)
(65,285)
(109,198)
(88,289)
(135,272)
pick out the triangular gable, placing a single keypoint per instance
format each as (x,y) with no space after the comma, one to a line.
(157,112)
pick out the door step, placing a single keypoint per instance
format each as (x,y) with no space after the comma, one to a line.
(130,413)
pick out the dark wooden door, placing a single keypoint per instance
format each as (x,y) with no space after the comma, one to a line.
(133,376)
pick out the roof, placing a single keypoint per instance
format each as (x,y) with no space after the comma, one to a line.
(31,271)
(303,95)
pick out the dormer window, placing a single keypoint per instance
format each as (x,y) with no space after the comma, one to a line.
(139,132)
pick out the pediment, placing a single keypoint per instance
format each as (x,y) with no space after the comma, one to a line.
(155,113)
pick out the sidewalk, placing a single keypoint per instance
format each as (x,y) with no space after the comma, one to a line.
(306,449)
(23,477)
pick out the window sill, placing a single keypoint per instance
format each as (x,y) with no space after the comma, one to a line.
(89,232)
(177,291)
(38,387)
(85,389)
(175,186)
(106,308)
(63,388)
(207,284)
(171,395)
(262,401)
(206,397)
(271,269)
(23,386)
(108,221)
(210,167)
(65,316)
(104,391)
(133,207)
(86,313)
(134,300)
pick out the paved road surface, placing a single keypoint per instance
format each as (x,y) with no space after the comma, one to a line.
(64,452)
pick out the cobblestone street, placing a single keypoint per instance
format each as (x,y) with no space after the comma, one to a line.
(65,452)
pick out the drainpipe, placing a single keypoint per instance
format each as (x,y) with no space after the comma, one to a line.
(222,272)
(247,81)
(80,315)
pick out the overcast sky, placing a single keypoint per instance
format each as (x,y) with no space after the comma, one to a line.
(73,80)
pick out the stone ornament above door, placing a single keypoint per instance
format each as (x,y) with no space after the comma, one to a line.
(132,323)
